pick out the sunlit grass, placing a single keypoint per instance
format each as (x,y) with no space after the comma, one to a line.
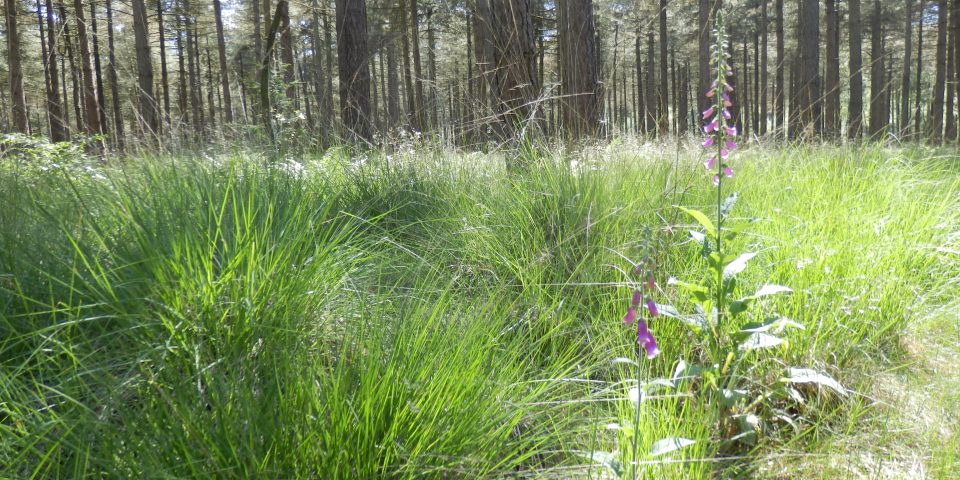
(430,314)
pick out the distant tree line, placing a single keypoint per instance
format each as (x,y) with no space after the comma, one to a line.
(472,71)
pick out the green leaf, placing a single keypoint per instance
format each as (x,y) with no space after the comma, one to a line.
(670,444)
(774,325)
(738,265)
(606,459)
(699,292)
(727,206)
(770,289)
(696,321)
(702,219)
(807,375)
(739,306)
(758,341)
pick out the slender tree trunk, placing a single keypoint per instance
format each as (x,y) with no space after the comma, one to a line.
(74,71)
(90,115)
(182,77)
(222,53)
(418,113)
(916,111)
(743,120)
(432,67)
(936,108)
(15,67)
(764,80)
(904,118)
(955,32)
(98,71)
(879,119)
(318,69)
(641,103)
(662,106)
(408,88)
(353,68)
(779,89)
(653,105)
(263,73)
(58,123)
(114,83)
(147,102)
(328,91)
(164,76)
(809,74)
(855,107)
(193,69)
(211,89)
(832,108)
(46,70)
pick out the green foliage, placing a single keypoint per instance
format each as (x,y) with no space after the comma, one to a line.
(436,315)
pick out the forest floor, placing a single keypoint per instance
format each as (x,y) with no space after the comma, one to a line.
(438,314)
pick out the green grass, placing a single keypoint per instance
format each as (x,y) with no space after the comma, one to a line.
(434,314)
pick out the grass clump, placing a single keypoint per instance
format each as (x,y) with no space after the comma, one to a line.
(426,315)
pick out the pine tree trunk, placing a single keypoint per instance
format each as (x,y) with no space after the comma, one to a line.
(855,106)
(74,71)
(286,51)
(663,121)
(779,89)
(182,77)
(46,71)
(114,83)
(515,84)
(58,123)
(579,68)
(878,116)
(916,110)
(353,68)
(15,68)
(432,66)
(764,80)
(147,102)
(904,118)
(222,53)
(641,99)
(653,105)
(808,80)
(97,70)
(164,76)
(936,108)
(418,114)
(91,117)
(832,107)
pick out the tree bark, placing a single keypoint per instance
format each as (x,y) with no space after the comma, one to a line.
(114,83)
(879,117)
(764,80)
(286,51)
(97,70)
(15,66)
(779,88)
(641,116)
(904,118)
(90,116)
(663,121)
(855,106)
(353,68)
(59,131)
(515,83)
(832,107)
(222,52)
(418,113)
(808,76)
(579,68)
(164,76)
(936,108)
(950,127)
(147,102)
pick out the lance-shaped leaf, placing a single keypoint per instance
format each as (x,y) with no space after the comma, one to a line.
(756,341)
(738,265)
(606,459)
(702,219)
(807,375)
(670,444)
(774,325)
